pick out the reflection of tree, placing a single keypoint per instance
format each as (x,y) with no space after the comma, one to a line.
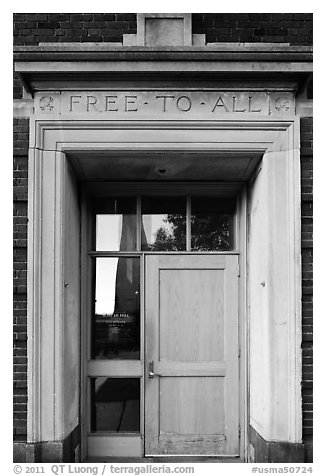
(208,233)
(172,237)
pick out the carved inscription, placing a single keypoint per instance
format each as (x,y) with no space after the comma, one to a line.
(166,103)
(137,104)
(92,103)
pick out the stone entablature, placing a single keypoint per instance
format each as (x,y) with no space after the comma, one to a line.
(179,104)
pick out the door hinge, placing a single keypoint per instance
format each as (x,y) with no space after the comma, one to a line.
(239,431)
(238,270)
(239,353)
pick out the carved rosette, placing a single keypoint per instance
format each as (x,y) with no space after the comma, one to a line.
(46,103)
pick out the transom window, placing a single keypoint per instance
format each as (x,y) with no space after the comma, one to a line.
(172,223)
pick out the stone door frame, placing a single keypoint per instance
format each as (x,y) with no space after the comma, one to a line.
(50,140)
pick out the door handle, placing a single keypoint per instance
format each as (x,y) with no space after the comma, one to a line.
(151,369)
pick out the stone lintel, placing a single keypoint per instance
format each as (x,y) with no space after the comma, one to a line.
(167,104)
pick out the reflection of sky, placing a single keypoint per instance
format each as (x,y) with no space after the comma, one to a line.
(152,223)
(109,229)
(108,232)
(106,271)
(108,235)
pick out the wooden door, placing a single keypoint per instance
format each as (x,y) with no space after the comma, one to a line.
(191,328)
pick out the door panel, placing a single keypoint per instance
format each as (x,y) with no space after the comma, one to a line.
(200,397)
(190,299)
(191,403)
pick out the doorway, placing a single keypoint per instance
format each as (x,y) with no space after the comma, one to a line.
(162,370)
(70,152)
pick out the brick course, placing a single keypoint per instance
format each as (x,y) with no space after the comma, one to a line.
(20,177)
(307,272)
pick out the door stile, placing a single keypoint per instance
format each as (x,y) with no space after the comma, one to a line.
(151,355)
(243,327)
(142,352)
(232,356)
(85,305)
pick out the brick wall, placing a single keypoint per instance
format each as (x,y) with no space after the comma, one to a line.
(21,128)
(306,244)
(32,28)
(294,28)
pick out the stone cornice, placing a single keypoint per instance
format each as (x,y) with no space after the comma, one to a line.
(56,66)
(211,52)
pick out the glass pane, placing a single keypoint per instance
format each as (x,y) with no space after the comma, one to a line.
(116,224)
(163,224)
(212,223)
(115,404)
(116,327)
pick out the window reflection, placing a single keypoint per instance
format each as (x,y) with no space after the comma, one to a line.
(116,224)
(211,224)
(164,224)
(116,329)
(115,404)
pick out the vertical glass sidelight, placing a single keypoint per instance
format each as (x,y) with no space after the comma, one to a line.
(116,322)
(212,223)
(116,224)
(115,404)
(163,225)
